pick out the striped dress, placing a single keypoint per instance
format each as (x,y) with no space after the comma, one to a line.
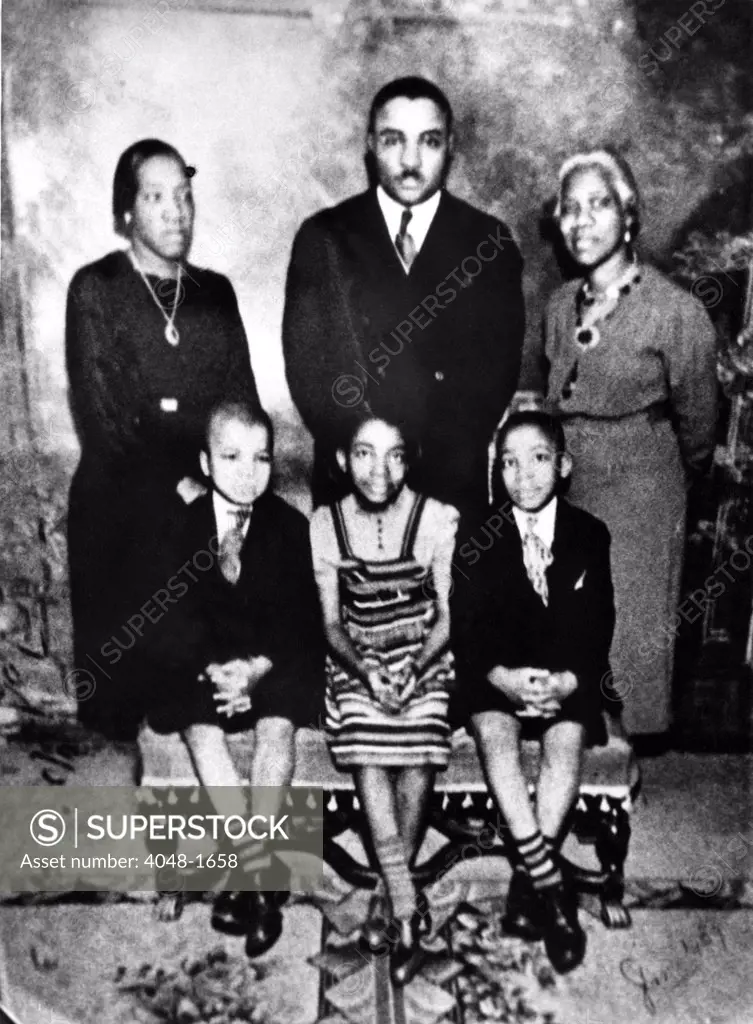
(388,607)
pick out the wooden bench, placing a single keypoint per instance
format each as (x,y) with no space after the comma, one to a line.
(461,810)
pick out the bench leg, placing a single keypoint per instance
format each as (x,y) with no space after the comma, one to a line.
(340,815)
(611,845)
(470,828)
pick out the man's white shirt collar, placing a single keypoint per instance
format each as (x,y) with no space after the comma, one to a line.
(224,516)
(545,520)
(423,215)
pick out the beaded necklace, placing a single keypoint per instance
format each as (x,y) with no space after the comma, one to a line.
(589,336)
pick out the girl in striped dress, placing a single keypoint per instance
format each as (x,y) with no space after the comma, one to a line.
(382,558)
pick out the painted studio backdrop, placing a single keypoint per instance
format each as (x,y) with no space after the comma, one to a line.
(269,101)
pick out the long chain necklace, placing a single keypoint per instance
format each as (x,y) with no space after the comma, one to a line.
(589,336)
(172,336)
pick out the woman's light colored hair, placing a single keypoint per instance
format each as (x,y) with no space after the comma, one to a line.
(619,176)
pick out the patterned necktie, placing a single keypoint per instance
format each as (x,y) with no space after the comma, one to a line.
(232,545)
(537,558)
(404,241)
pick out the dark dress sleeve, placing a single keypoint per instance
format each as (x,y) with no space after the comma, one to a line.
(240,380)
(103,385)
(691,371)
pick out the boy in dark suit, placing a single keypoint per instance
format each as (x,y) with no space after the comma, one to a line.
(533,616)
(241,646)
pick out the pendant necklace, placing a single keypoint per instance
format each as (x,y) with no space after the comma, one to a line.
(589,337)
(172,337)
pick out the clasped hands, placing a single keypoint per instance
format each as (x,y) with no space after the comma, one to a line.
(392,693)
(234,681)
(539,691)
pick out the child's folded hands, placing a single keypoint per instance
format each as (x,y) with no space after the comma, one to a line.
(562,684)
(234,680)
(384,689)
(529,687)
(407,685)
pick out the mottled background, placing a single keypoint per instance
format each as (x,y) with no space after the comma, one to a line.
(269,101)
(271,110)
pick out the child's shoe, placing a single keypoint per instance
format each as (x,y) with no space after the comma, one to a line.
(564,939)
(523,910)
(375,932)
(265,923)
(408,955)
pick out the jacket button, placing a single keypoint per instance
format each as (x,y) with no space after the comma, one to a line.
(438,375)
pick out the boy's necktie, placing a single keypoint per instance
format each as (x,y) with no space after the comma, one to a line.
(232,545)
(537,558)
(404,240)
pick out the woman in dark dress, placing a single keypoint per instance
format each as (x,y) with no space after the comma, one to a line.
(152,343)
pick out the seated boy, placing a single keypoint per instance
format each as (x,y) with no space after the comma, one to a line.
(240,644)
(533,616)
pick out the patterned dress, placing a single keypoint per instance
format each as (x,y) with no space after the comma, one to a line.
(388,606)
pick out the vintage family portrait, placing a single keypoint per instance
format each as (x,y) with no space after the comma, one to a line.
(376,512)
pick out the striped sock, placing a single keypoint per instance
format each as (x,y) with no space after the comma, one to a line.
(253,856)
(536,856)
(552,845)
(397,877)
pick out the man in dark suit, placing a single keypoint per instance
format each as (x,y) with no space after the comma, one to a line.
(406,301)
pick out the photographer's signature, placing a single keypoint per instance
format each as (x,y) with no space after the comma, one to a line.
(651,982)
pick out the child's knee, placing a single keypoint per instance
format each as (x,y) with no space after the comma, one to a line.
(563,753)
(497,736)
(275,734)
(202,738)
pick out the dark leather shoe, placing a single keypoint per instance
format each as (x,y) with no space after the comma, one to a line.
(424,924)
(233,912)
(230,912)
(376,931)
(564,939)
(264,924)
(523,912)
(407,956)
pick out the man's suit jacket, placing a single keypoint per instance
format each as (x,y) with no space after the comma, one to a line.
(448,372)
(498,618)
(272,610)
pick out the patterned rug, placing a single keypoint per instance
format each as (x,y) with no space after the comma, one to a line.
(471,973)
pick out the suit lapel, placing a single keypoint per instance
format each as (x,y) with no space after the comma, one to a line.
(560,572)
(203,528)
(375,238)
(441,247)
(436,244)
(510,558)
(371,237)
(256,546)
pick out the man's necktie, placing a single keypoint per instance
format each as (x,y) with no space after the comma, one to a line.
(404,241)
(537,558)
(232,545)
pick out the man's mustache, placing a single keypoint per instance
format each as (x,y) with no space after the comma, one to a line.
(406,175)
